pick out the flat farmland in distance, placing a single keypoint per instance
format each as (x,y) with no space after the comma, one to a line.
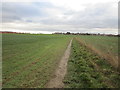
(29,60)
(105,46)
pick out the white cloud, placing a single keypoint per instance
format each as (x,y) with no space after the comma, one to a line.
(78,5)
(61,15)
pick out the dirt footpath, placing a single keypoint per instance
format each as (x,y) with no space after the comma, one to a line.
(57,80)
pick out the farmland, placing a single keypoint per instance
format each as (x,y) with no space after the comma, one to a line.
(88,70)
(30,60)
(104,46)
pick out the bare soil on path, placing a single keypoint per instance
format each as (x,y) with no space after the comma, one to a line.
(57,80)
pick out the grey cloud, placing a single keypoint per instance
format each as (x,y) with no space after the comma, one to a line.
(12,11)
(94,16)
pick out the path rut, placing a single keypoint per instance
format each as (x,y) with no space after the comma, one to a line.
(57,80)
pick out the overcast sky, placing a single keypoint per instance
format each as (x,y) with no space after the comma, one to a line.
(48,16)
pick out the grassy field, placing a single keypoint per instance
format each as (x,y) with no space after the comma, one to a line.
(88,70)
(105,46)
(29,60)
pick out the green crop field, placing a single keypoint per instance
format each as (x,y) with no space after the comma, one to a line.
(104,43)
(30,60)
(88,70)
(105,46)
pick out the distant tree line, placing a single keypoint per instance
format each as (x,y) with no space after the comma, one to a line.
(16,32)
(69,33)
(11,32)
